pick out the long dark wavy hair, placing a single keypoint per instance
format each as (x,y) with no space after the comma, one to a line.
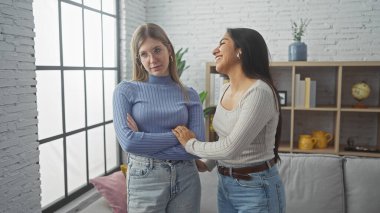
(255,62)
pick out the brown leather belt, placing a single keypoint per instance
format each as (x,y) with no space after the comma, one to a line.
(243,173)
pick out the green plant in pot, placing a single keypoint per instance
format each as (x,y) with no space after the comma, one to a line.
(181,66)
(298,50)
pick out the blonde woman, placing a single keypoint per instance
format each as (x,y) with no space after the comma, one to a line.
(162,176)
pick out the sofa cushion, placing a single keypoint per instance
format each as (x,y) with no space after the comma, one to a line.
(113,189)
(362,186)
(313,183)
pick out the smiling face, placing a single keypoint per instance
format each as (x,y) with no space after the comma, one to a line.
(226,54)
(154,56)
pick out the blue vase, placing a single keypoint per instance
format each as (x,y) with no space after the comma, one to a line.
(297,51)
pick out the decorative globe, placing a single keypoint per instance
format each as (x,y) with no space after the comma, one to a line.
(360,91)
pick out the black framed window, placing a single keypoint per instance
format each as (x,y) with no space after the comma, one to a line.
(77,70)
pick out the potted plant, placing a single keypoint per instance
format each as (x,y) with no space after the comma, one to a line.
(298,49)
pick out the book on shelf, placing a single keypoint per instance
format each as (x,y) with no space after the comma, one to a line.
(300,92)
(313,93)
(306,91)
(310,93)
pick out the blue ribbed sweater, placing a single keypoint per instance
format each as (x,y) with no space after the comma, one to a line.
(157,106)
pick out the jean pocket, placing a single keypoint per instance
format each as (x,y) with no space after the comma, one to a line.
(136,169)
(255,182)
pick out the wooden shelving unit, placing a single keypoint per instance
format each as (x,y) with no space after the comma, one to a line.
(333,112)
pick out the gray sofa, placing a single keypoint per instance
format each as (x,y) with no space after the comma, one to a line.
(317,183)
(314,183)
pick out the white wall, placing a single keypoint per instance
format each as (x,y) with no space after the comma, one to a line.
(19,169)
(132,14)
(339,30)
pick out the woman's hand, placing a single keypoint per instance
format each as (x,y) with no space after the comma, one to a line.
(201,166)
(131,123)
(183,134)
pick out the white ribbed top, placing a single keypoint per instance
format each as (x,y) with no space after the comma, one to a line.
(246,133)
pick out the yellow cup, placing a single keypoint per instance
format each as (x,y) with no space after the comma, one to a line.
(306,142)
(323,138)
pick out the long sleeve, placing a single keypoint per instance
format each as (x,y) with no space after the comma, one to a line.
(157,106)
(196,120)
(255,112)
(135,142)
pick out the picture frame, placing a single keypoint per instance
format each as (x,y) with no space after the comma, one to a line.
(283,97)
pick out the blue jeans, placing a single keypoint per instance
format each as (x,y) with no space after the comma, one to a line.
(162,186)
(264,193)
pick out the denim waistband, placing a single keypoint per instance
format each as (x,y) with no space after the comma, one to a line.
(154,161)
(218,163)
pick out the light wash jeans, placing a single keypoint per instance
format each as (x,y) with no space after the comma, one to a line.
(162,186)
(264,193)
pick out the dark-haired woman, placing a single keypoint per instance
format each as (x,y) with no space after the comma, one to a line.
(248,122)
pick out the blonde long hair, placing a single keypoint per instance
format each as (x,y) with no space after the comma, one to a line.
(150,30)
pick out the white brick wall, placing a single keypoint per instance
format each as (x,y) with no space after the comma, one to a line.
(339,30)
(132,15)
(19,169)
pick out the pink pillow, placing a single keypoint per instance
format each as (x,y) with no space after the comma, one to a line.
(112,187)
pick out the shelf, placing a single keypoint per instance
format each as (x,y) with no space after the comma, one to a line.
(333,112)
(284,146)
(327,150)
(284,149)
(360,154)
(317,109)
(286,107)
(371,109)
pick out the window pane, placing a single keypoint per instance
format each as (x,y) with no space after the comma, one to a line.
(77,1)
(74,100)
(93,38)
(76,161)
(112,148)
(96,152)
(109,86)
(92,3)
(46,28)
(109,41)
(109,6)
(72,37)
(51,168)
(94,97)
(49,104)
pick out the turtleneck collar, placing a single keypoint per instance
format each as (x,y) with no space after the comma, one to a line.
(160,79)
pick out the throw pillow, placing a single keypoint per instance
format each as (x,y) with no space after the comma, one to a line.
(113,189)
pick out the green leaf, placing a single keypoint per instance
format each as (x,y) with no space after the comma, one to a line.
(209,111)
(202,96)
(181,64)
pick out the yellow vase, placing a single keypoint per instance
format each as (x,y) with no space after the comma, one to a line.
(323,138)
(306,142)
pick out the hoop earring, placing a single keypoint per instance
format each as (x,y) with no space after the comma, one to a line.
(238,56)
